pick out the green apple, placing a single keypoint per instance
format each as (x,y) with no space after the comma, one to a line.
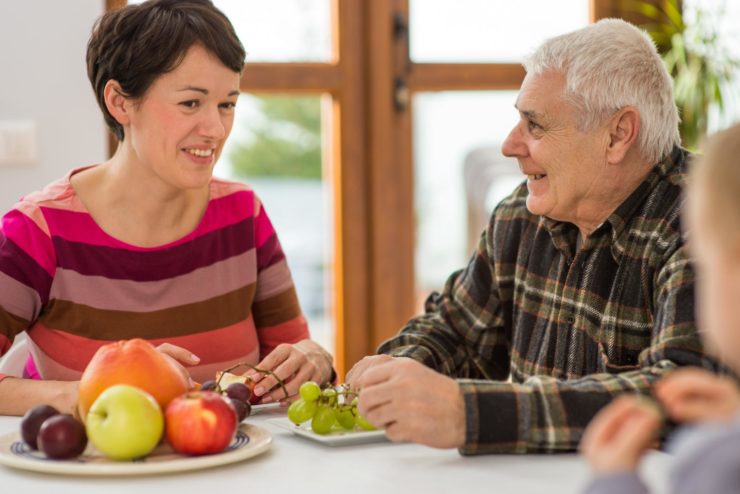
(125,422)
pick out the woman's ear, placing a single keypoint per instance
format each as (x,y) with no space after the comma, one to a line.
(623,129)
(117,102)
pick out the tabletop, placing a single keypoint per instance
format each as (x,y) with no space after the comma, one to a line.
(294,464)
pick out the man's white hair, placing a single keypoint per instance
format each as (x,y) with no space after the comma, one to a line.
(610,65)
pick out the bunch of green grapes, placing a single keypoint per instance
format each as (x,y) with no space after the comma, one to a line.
(326,409)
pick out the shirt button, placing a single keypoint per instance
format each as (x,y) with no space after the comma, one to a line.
(571,319)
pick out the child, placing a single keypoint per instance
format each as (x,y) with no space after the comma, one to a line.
(707,455)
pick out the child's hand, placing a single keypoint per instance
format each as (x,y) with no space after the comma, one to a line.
(693,394)
(619,435)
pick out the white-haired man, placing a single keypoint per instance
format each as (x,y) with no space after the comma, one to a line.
(580,288)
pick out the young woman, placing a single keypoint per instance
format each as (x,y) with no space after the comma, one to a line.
(149,244)
(707,454)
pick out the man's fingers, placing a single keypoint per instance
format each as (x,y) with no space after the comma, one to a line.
(354,376)
(381,372)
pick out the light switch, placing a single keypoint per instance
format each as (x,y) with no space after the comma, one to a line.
(18,143)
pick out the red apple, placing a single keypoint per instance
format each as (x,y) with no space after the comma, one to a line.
(200,423)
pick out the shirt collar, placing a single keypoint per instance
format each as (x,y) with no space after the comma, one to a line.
(564,234)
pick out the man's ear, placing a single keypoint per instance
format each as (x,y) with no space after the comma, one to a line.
(623,129)
(117,102)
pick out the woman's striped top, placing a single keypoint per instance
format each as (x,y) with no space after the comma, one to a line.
(224,291)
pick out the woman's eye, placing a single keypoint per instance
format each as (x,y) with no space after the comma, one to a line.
(228,106)
(190,104)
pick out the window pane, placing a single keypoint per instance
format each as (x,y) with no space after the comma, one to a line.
(724,17)
(448,126)
(280,30)
(488,30)
(275,146)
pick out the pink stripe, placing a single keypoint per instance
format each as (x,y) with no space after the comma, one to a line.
(79,226)
(33,212)
(222,188)
(28,236)
(227,210)
(58,194)
(273,280)
(129,295)
(18,299)
(263,228)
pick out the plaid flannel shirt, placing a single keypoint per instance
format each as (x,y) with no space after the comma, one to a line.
(541,335)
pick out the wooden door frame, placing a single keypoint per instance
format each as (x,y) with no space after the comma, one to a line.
(391,195)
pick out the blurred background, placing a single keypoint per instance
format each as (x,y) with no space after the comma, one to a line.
(371,129)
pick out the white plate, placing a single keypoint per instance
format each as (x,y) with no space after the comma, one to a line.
(337,437)
(249,441)
(265,407)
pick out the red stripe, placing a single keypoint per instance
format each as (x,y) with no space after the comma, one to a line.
(291,331)
(75,352)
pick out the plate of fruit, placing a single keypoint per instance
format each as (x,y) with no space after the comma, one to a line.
(249,441)
(127,423)
(329,416)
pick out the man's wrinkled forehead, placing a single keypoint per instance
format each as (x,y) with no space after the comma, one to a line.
(529,113)
(540,96)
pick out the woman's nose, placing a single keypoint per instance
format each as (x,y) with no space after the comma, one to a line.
(212,126)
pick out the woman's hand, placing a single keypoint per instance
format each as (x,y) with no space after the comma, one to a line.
(294,364)
(619,435)
(693,394)
(180,357)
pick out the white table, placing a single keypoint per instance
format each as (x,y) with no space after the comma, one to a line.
(297,465)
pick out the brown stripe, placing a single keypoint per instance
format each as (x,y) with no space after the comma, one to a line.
(214,313)
(11,325)
(274,310)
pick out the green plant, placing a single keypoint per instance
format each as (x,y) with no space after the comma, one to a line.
(284,142)
(694,56)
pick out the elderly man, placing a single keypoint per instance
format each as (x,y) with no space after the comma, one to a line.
(580,288)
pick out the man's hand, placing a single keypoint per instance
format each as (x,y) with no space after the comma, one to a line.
(357,370)
(619,435)
(413,403)
(294,365)
(693,394)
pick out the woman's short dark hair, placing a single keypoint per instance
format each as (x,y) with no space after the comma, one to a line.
(137,43)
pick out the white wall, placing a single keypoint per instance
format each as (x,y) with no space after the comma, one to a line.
(43,78)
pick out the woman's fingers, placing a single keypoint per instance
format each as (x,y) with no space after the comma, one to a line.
(178,353)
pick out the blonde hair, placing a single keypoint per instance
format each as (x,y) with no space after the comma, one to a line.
(610,65)
(714,184)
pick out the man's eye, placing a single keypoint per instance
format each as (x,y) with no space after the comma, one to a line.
(190,104)
(533,126)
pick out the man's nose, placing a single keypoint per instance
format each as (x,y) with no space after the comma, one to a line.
(514,146)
